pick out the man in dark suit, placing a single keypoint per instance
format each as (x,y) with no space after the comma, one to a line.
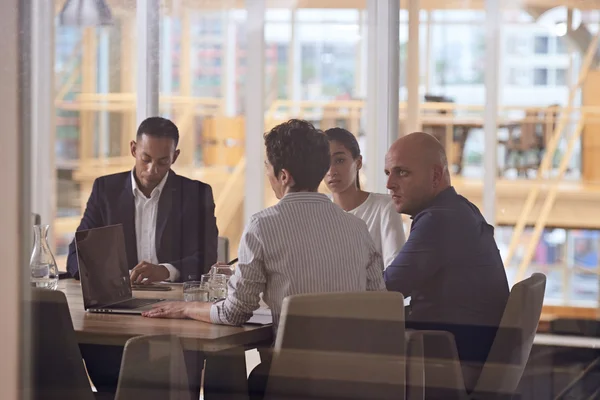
(169,225)
(450,265)
(168,220)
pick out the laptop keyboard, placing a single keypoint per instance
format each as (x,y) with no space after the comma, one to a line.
(132,304)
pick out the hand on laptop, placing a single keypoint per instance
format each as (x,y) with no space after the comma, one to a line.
(145,272)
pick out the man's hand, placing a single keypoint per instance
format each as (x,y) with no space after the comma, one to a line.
(150,272)
(179,310)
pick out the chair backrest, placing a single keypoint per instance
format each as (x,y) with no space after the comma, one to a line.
(340,345)
(529,138)
(58,371)
(510,351)
(36,219)
(223,249)
(153,368)
(551,117)
(429,98)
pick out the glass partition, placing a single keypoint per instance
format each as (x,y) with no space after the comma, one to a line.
(94,112)
(316,67)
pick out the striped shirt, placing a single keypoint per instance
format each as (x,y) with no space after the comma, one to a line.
(304,244)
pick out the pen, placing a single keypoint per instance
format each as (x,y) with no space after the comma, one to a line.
(232,261)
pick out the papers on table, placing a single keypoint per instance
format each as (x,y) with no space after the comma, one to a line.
(262,316)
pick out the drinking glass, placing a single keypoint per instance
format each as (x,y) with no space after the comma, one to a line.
(217,286)
(196,291)
(224,270)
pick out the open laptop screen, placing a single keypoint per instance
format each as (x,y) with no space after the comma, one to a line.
(103,266)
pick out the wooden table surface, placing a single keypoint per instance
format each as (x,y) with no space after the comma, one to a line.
(116,329)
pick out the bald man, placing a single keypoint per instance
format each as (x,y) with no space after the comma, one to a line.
(450,266)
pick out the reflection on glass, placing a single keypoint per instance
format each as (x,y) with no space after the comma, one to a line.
(316,63)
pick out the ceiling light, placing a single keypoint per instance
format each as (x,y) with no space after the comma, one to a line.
(556,20)
(560,29)
(85,13)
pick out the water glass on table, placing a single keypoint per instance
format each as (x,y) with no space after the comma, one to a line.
(196,290)
(217,286)
(222,269)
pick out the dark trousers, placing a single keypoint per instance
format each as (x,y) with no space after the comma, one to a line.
(103,364)
(259,377)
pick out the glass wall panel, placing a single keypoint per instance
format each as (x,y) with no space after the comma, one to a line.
(94,111)
(320,71)
(202,77)
(541,64)
(316,69)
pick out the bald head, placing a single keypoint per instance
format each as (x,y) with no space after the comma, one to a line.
(417,170)
(423,145)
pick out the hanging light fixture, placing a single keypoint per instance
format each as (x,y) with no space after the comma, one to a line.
(85,13)
(557,20)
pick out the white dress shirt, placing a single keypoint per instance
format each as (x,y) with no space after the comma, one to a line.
(304,244)
(384,223)
(146,212)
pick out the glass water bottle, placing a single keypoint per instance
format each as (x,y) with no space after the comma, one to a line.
(44,272)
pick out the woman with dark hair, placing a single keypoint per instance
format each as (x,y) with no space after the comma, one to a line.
(377,210)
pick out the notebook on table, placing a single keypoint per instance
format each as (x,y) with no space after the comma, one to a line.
(262,316)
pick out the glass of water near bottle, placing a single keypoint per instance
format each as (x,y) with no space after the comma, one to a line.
(211,287)
(196,290)
(44,271)
(218,287)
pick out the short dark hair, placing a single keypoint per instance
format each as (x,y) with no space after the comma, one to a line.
(159,127)
(348,140)
(300,148)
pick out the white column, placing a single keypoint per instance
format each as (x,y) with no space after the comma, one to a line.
(255,109)
(296,65)
(147,22)
(413,77)
(492,65)
(43,164)
(104,87)
(15,206)
(361,48)
(292,55)
(373,168)
(363,55)
(428,54)
(230,63)
(370,101)
(387,85)
(166,70)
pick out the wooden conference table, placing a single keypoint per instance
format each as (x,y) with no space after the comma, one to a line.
(223,346)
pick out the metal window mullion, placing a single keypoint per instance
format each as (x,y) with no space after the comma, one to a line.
(387,85)
(43,164)
(490,127)
(371,101)
(147,23)
(255,108)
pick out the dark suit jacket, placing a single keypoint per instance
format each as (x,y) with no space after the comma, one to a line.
(452,269)
(186,228)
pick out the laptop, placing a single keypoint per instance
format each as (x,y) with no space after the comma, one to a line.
(104,273)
